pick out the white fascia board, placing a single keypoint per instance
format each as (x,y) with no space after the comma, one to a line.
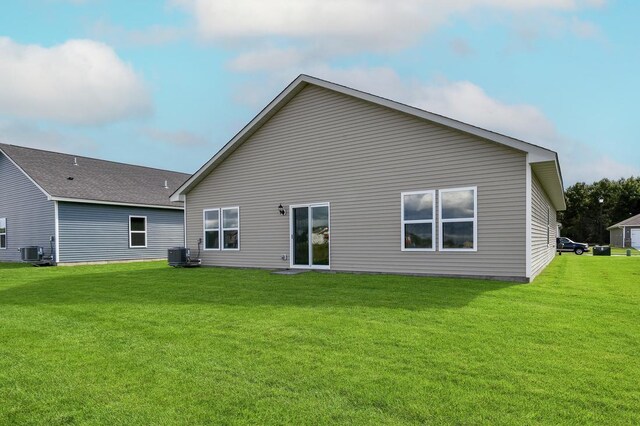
(27,175)
(57,230)
(537,153)
(114,203)
(280,100)
(535,150)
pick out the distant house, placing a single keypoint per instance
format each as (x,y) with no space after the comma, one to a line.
(91,210)
(626,233)
(328,177)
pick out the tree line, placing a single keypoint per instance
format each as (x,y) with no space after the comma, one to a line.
(591,208)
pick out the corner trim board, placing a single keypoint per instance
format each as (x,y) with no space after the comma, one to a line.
(528,219)
(57,230)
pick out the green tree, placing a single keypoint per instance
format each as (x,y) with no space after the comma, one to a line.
(586,219)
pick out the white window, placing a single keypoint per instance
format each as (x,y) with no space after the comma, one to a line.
(231,228)
(221,228)
(418,210)
(458,219)
(211,222)
(137,231)
(3,232)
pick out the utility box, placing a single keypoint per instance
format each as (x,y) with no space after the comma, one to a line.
(178,256)
(602,251)
(181,257)
(31,254)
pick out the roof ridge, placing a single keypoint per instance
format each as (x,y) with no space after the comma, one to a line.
(93,158)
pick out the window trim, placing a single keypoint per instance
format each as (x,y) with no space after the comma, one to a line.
(309,206)
(138,232)
(222,228)
(4,233)
(442,221)
(432,220)
(204,230)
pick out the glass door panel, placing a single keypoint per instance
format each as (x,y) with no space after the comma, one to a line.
(310,236)
(300,236)
(320,235)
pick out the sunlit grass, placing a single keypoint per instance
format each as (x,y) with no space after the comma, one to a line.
(148,344)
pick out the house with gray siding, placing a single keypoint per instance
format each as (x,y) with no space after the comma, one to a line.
(626,233)
(90,210)
(331,178)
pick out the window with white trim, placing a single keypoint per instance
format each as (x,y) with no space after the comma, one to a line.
(221,228)
(458,219)
(231,228)
(211,223)
(417,217)
(137,231)
(3,232)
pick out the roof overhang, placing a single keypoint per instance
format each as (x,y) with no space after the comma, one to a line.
(114,203)
(536,154)
(548,173)
(25,173)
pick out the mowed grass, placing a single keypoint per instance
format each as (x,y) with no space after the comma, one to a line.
(619,251)
(148,344)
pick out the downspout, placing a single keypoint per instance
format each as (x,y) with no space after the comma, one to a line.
(185,220)
(57,231)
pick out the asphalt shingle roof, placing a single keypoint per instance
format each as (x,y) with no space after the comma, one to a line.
(632,221)
(96,180)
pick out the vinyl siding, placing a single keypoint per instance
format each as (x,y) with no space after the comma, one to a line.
(542,251)
(30,216)
(92,232)
(615,237)
(327,147)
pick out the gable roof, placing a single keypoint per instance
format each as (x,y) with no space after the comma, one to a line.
(544,162)
(94,181)
(632,221)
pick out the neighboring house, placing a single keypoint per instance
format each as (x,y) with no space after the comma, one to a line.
(390,188)
(93,210)
(626,233)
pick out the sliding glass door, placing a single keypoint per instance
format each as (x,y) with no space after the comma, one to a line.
(310,236)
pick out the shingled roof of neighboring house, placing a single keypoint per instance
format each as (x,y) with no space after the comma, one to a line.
(632,221)
(66,177)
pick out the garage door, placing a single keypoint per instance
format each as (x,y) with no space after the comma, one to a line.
(635,238)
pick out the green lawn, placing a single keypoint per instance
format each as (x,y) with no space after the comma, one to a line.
(623,251)
(148,344)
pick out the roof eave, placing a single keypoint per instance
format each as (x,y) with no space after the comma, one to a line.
(263,116)
(115,203)
(535,153)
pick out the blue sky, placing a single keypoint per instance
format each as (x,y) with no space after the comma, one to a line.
(166,84)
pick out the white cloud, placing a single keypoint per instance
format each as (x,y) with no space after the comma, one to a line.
(469,103)
(271,35)
(377,24)
(461,47)
(268,59)
(152,36)
(78,82)
(33,136)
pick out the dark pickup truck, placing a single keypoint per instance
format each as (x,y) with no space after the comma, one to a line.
(565,244)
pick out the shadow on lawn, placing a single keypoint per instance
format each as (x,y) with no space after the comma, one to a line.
(251,288)
(13,265)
